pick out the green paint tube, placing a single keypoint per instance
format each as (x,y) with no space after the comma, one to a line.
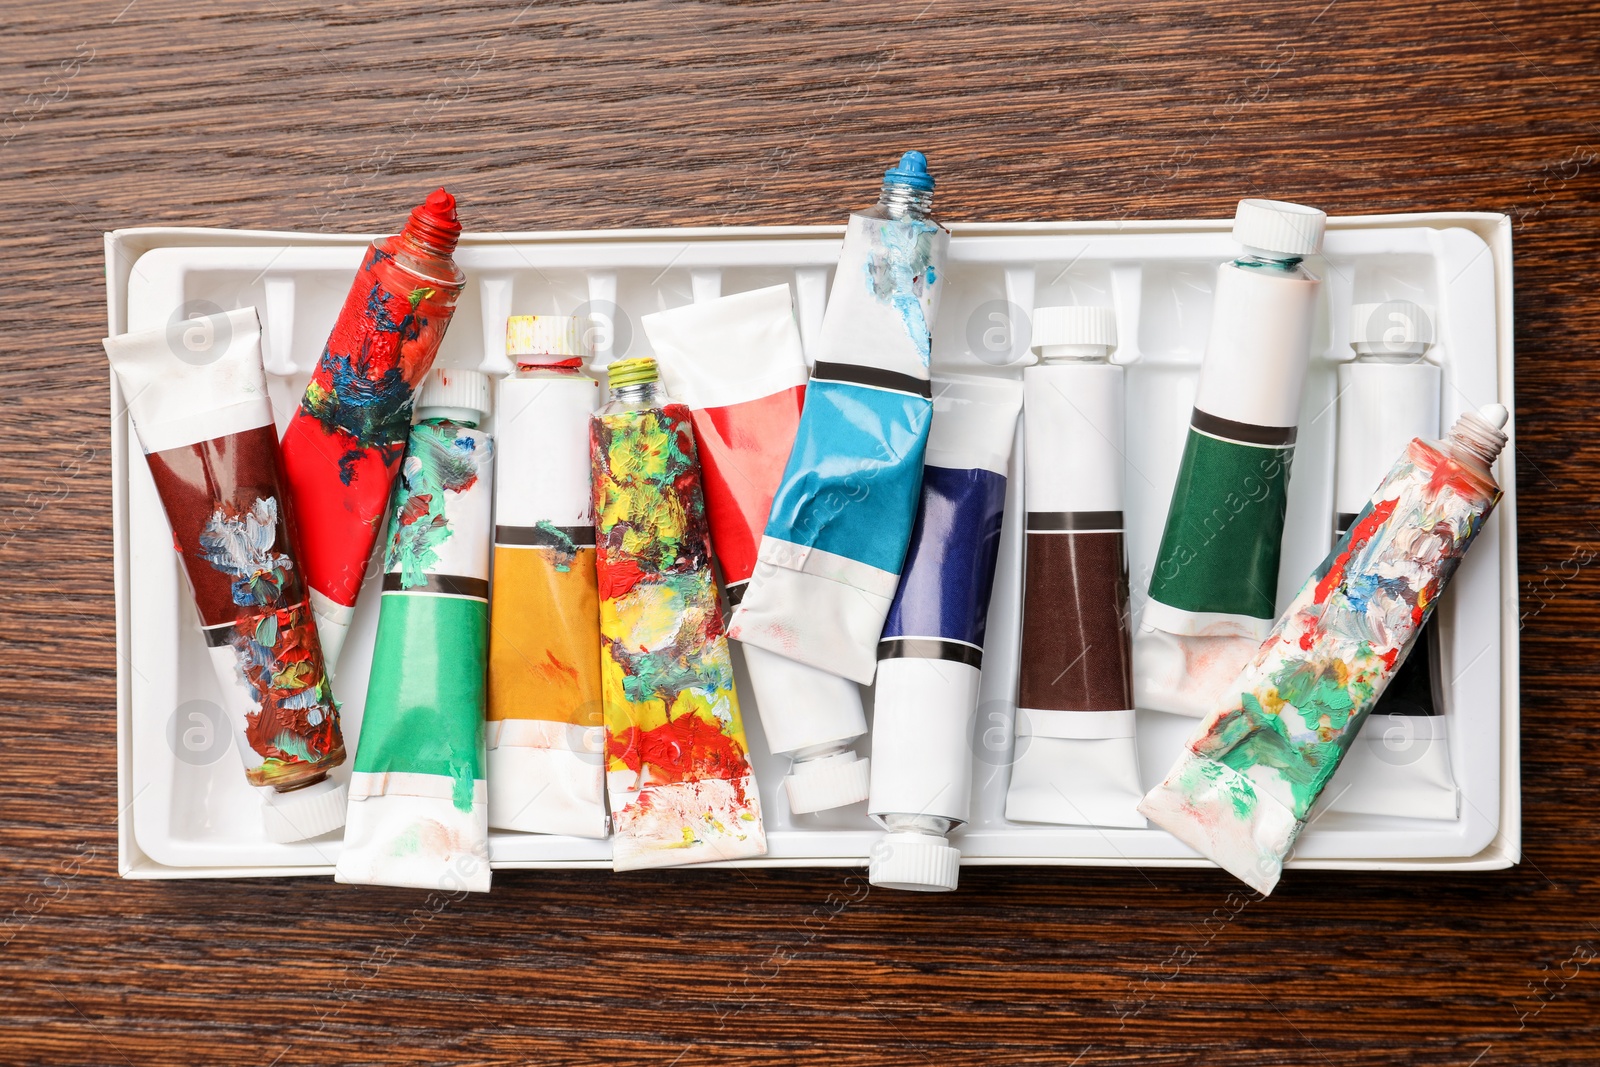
(419,804)
(1214,586)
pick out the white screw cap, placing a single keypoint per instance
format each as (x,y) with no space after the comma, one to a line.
(827,783)
(1074,324)
(916,862)
(449,389)
(1396,326)
(547,338)
(305,813)
(1278,226)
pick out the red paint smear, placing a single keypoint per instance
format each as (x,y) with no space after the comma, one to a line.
(686,749)
(1307,639)
(1359,536)
(616,579)
(743,451)
(1389,657)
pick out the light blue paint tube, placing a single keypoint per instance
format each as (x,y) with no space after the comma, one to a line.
(836,538)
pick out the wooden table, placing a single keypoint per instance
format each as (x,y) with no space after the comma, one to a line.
(288,115)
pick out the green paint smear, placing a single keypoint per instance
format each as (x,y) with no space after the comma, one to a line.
(426,699)
(565,549)
(440,457)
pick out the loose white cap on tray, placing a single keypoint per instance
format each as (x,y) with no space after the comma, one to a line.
(830,782)
(457,395)
(305,813)
(1074,330)
(1278,226)
(544,338)
(906,859)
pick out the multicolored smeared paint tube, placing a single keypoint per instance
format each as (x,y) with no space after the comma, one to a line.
(678,766)
(342,448)
(737,363)
(1242,789)
(1214,587)
(1076,758)
(419,804)
(1387,397)
(931,657)
(830,558)
(546,734)
(205,423)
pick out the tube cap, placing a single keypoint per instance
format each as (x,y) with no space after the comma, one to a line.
(1074,324)
(1279,226)
(911,171)
(454,389)
(305,813)
(1398,327)
(917,862)
(553,338)
(632,372)
(831,782)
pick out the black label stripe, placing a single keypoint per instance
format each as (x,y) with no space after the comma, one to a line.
(736,592)
(1243,432)
(930,648)
(544,536)
(1075,522)
(874,377)
(451,584)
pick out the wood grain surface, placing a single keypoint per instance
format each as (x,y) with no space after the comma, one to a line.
(290,115)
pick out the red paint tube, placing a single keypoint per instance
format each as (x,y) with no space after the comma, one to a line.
(205,422)
(737,363)
(343,447)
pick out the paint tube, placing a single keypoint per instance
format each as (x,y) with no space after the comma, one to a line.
(678,766)
(1389,395)
(1213,589)
(830,557)
(1076,761)
(737,363)
(1242,789)
(546,737)
(199,404)
(931,656)
(419,804)
(342,449)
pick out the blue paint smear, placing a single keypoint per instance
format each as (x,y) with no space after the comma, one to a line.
(851,484)
(949,573)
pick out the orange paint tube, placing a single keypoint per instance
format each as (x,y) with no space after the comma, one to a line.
(545,734)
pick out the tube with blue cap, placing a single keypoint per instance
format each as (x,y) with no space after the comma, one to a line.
(836,538)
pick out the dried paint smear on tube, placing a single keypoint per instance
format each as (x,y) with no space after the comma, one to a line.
(930,659)
(205,424)
(737,363)
(419,803)
(1214,586)
(343,446)
(1076,760)
(1244,787)
(678,766)
(1387,397)
(830,557)
(546,734)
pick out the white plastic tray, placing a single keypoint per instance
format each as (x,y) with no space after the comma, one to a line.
(196,819)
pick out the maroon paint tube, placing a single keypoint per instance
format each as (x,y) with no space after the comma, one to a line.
(1076,761)
(200,407)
